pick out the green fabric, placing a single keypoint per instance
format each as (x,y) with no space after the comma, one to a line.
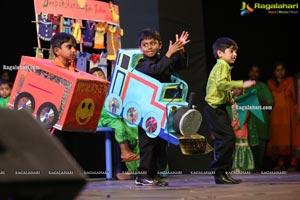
(4,102)
(123,133)
(249,101)
(132,133)
(242,157)
(219,84)
(253,137)
(257,128)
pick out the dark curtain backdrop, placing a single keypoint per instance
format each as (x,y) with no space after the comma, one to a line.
(262,39)
(174,17)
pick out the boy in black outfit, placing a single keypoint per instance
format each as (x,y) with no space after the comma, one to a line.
(153,156)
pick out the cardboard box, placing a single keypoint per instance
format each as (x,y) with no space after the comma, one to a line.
(68,101)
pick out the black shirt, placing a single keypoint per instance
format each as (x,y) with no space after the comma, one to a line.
(162,67)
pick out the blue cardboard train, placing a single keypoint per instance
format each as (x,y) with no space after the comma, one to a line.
(161,109)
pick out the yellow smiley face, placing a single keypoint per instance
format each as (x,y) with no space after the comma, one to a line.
(85,111)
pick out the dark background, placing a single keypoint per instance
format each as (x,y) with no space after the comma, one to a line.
(262,38)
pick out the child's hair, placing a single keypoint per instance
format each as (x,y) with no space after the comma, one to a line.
(59,38)
(148,33)
(222,44)
(95,69)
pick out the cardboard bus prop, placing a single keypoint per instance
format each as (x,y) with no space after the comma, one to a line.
(59,98)
(159,108)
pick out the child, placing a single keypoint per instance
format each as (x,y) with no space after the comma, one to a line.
(218,96)
(63,46)
(153,156)
(242,157)
(5,90)
(64,49)
(126,136)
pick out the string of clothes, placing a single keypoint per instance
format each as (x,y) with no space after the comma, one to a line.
(91,34)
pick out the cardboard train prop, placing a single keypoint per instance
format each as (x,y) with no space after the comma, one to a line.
(59,98)
(159,108)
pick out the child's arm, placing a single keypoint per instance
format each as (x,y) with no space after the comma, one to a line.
(221,79)
(248,83)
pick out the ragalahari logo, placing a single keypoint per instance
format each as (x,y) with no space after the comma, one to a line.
(246,9)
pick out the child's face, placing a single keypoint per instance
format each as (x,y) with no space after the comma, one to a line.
(99,74)
(5,90)
(229,55)
(279,71)
(67,52)
(237,92)
(150,47)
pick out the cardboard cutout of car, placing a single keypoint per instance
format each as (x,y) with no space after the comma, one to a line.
(59,98)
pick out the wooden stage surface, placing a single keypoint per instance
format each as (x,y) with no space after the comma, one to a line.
(255,186)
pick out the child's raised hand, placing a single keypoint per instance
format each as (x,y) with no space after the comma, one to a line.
(183,37)
(179,43)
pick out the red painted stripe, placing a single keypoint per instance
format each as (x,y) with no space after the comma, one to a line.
(34,86)
(151,85)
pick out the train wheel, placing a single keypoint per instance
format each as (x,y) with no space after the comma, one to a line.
(47,114)
(132,113)
(151,124)
(113,104)
(24,101)
(187,121)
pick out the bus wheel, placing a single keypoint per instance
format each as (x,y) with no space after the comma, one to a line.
(24,101)
(151,124)
(47,114)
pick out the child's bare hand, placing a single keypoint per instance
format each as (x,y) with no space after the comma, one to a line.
(248,83)
(174,47)
(183,37)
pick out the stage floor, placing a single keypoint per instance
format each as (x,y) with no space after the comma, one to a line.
(255,186)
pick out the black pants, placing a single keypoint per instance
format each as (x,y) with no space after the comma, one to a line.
(224,144)
(153,154)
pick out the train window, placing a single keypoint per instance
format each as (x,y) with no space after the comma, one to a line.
(118,59)
(173,93)
(125,61)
